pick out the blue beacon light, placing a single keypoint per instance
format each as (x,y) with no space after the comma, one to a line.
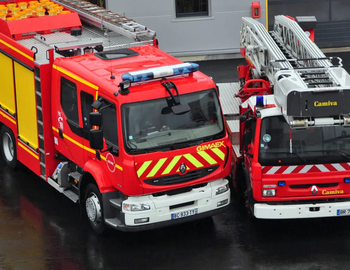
(259,101)
(161,72)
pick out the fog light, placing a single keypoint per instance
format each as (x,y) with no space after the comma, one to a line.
(221,189)
(136,207)
(223,202)
(269,192)
(141,220)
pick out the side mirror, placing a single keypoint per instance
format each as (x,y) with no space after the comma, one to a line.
(96,119)
(249,122)
(96,139)
(96,105)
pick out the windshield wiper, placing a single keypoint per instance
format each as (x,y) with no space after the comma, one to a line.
(150,137)
(180,145)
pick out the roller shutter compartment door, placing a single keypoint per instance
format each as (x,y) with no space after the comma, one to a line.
(26,105)
(7,92)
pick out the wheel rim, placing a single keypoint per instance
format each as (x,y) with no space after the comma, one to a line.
(93,209)
(8,147)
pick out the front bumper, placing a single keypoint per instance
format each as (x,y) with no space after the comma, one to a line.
(202,199)
(312,210)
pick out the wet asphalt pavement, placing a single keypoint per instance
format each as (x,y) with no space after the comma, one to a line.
(42,229)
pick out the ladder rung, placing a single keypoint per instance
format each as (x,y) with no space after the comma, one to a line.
(311,73)
(316,78)
(317,83)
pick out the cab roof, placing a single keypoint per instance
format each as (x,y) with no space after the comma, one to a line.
(105,69)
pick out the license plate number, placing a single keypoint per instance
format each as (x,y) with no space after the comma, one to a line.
(183,214)
(343,212)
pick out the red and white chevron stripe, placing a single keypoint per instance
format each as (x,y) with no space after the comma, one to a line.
(333,167)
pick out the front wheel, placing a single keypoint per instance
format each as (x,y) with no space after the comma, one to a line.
(94,208)
(8,147)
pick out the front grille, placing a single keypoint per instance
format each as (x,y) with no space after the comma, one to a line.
(179,190)
(178,178)
(317,185)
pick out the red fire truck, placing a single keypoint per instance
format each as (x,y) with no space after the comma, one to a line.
(291,127)
(92,106)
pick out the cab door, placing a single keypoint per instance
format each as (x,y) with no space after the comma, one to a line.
(110,157)
(68,139)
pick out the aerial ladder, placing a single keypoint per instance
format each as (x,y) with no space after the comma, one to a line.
(288,64)
(108,20)
(288,120)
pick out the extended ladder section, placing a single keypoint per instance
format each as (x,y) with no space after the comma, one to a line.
(306,83)
(105,19)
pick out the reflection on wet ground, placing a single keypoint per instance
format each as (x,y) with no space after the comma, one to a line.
(41,229)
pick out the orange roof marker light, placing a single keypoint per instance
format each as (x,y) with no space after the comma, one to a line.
(17,16)
(3,9)
(22,14)
(33,3)
(28,11)
(48,3)
(22,5)
(40,12)
(52,12)
(11,6)
(15,10)
(59,9)
(3,16)
(65,12)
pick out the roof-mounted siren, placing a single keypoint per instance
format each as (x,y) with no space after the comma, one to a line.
(155,73)
(308,24)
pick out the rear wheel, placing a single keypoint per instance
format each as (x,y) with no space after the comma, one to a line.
(8,147)
(94,208)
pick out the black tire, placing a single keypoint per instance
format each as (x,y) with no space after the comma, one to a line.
(249,200)
(8,148)
(94,208)
(241,185)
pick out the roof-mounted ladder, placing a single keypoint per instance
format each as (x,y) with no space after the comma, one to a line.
(105,19)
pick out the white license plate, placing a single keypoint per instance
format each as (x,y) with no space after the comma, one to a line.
(183,214)
(343,212)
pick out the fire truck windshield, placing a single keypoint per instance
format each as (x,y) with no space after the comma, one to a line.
(281,145)
(152,126)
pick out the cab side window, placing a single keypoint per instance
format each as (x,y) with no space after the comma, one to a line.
(86,108)
(109,123)
(69,100)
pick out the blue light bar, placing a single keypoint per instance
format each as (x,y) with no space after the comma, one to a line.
(161,72)
(281,183)
(347,180)
(259,101)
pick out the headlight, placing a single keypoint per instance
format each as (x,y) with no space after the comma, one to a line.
(269,192)
(221,189)
(136,207)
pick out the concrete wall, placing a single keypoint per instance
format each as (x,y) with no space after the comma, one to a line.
(217,33)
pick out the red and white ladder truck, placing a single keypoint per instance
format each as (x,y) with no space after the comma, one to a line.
(290,124)
(91,105)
